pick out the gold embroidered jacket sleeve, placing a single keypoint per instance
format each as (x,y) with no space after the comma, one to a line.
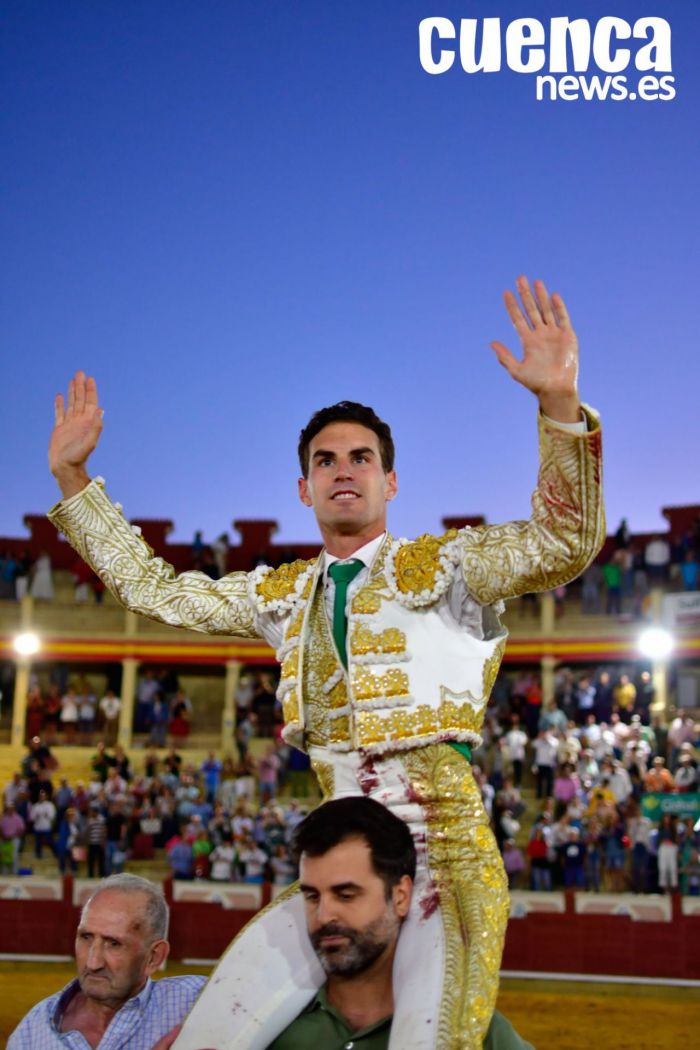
(564,533)
(100,533)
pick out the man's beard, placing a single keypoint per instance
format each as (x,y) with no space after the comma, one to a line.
(363,948)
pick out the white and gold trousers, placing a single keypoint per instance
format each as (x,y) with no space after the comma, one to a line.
(449,950)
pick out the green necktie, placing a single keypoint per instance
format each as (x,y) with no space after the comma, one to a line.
(342,573)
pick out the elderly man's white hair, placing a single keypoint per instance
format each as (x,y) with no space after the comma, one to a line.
(156,911)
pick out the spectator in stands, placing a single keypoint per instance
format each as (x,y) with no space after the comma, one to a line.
(620,782)
(252,860)
(101,762)
(109,709)
(245,731)
(668,853)
(624,695)
(690,872)
(69,715)
(594,854)
(658,778)
(545,749)
(12,829)
(540,868)
(172,764)
(681,731)
(592,580)
(263,705)
(40,754)
(566,787)
(220,548)
(211,769)
(181,715)
(639,830)
(552,718)
(222,859)
(115,836)
(614,836)
(96,835)
(159,720)
(23,574)
(201,848)
(645,697)
(43,816)
(573,857)
(657,558)
(690,571)
(145,694)
(686,774)
(513,862)
(122,763)
(180,859)
(52,713)
(269,766)
(120,944)
(41,587)
(603,706)
(612,574)
(87,710)
(35,712)
(623,535)
(63,798)
(69,840)
(585,699)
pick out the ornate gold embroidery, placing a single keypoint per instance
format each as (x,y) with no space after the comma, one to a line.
(339,730)
(468,873)
(363,640)
(281,583)
(368,686)
(490,669)
(366,602)
(370,727)
(321,665)
(290,708)
(100,533)
(402,724)
(564,533)
(295,626)
(418,564)
(325,774)
(290,665)
(338,695)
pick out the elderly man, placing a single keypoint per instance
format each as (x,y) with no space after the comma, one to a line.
(113,1004)
(389,650)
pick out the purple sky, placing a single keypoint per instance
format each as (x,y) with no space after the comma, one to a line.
(235,212)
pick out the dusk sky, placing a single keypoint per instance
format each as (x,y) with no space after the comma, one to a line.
(234,212)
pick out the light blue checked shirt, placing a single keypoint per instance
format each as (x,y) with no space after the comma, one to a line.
(140,1023)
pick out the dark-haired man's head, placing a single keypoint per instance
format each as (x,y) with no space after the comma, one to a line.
(346,455)
(357,862)
(347,412)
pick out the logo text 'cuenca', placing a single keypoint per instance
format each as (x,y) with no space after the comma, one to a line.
(528,48)
(562,46)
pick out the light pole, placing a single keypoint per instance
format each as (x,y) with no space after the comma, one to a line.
(656,644)
(26,645)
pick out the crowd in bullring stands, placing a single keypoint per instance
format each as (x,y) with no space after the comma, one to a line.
(608,777)
(601,767)
(220,819)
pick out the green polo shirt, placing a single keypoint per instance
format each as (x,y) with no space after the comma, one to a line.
(319,1025)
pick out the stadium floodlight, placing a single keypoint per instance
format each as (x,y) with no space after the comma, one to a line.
(655,643)
(27,644)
